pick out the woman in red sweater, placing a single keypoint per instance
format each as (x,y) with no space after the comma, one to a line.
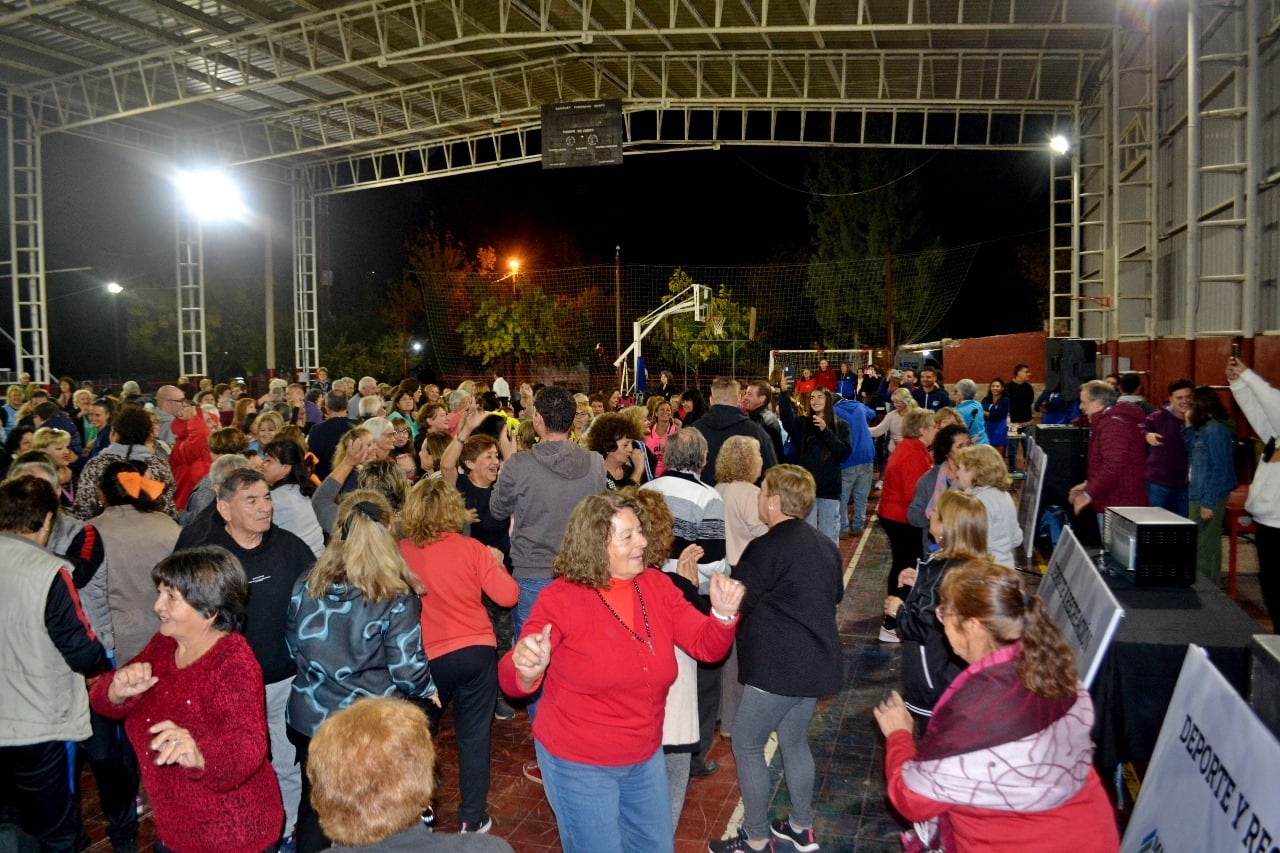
(457,571)
(192,707)
(907,464)
(600,643)
(1007,762)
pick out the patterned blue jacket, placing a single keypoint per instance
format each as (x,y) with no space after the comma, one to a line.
(347,647)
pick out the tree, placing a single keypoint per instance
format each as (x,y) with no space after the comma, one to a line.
(685,340)
(866,206)
(525,325)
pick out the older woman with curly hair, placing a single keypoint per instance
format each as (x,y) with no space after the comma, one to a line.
(456,572)
(616,438)
(600,643)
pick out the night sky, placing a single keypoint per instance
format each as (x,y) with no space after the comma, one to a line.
(111,209)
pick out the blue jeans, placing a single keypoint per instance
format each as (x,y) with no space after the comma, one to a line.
(1168,497)
(825,515)
(529,589)
(603,809)
(855,480)
(760,714)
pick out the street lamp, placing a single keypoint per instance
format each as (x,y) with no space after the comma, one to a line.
(114,288)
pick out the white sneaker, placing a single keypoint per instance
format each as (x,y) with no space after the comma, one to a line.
(887,636)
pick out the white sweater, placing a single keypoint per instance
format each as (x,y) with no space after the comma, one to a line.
(1261,406)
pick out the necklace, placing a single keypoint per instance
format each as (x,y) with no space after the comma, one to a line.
(647,639)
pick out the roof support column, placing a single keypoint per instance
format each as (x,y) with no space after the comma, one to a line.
(26,244)
(189,242)
(306,324)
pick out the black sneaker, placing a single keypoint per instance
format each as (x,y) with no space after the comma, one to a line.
(502,710)
(737,844)
(802,839)
(704,768)
(480,828)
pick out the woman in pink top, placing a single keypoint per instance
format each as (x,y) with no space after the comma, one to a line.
(456,633)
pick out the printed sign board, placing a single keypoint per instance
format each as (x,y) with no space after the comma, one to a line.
(1080,603)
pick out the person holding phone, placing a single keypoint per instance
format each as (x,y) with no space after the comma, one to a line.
(1260,403)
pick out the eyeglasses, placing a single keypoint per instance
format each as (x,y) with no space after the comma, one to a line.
(402,432)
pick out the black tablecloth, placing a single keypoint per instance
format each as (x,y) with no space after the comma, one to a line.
(1140,669)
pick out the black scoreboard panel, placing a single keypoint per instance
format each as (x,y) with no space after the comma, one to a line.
(585,133)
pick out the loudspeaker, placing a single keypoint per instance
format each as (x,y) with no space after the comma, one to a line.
(1066,450)
(1068,363)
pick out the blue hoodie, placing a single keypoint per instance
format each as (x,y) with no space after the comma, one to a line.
(859,417)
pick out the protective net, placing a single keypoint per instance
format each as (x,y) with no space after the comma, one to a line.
(571,324)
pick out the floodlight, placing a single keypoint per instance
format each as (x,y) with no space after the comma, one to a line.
(1060,144)
(114,288)
(210,194)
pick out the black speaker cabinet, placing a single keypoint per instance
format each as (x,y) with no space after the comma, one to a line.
(1066,450)
(1069,363)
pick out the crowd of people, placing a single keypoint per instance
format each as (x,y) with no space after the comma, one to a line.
(254,586)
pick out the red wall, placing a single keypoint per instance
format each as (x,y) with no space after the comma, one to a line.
(982,359)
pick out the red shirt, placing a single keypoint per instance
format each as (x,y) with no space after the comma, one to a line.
(908,462)
(455,569)
(826,379)
(604,694)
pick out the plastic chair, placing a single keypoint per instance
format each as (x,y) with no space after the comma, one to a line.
(1237,521)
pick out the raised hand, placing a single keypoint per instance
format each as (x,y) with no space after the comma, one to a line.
(129,681)
(893,716)
(532,656)
(726,595)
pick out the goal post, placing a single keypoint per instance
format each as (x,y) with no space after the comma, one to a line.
(799,359)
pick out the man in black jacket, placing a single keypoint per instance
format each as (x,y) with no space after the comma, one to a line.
(724,419)
(273,560)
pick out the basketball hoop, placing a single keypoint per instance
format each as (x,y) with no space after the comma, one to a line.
(716,321)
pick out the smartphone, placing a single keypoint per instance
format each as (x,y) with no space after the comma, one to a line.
(1235,350)
(789,371)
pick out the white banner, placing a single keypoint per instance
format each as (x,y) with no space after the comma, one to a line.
(1080,603)
(1211,784)
(1029,500)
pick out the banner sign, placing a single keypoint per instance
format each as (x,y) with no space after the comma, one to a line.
(1029,501)
(1211,784)
(1080,604)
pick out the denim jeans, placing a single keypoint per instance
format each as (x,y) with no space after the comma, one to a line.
(529,589)
(855,480)
(825,516)
(1168,497)
(760,714)
(607,809)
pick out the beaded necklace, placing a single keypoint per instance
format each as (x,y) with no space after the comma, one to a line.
(647,639)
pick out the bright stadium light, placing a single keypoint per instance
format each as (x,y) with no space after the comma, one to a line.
(1060,144)
(211,195)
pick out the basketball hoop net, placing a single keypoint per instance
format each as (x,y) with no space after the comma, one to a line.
(716,321)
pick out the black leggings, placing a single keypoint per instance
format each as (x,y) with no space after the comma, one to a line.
(1267,540)
(906,547)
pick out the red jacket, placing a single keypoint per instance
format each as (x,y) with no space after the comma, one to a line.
(604,694)
(1117,456)
(906,465)
(190,458)
(826,379)
(1084,824)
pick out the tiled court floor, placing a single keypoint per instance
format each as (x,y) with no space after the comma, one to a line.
(852,813)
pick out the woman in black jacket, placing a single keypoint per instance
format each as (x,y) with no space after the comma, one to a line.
(959,527)
(823,441)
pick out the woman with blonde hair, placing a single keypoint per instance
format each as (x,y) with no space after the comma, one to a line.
(901,401)
(354,629)
(264,429)
(664,424)
(982,473)
(959,527)
(57,444)
(1019,707)
(456,572)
